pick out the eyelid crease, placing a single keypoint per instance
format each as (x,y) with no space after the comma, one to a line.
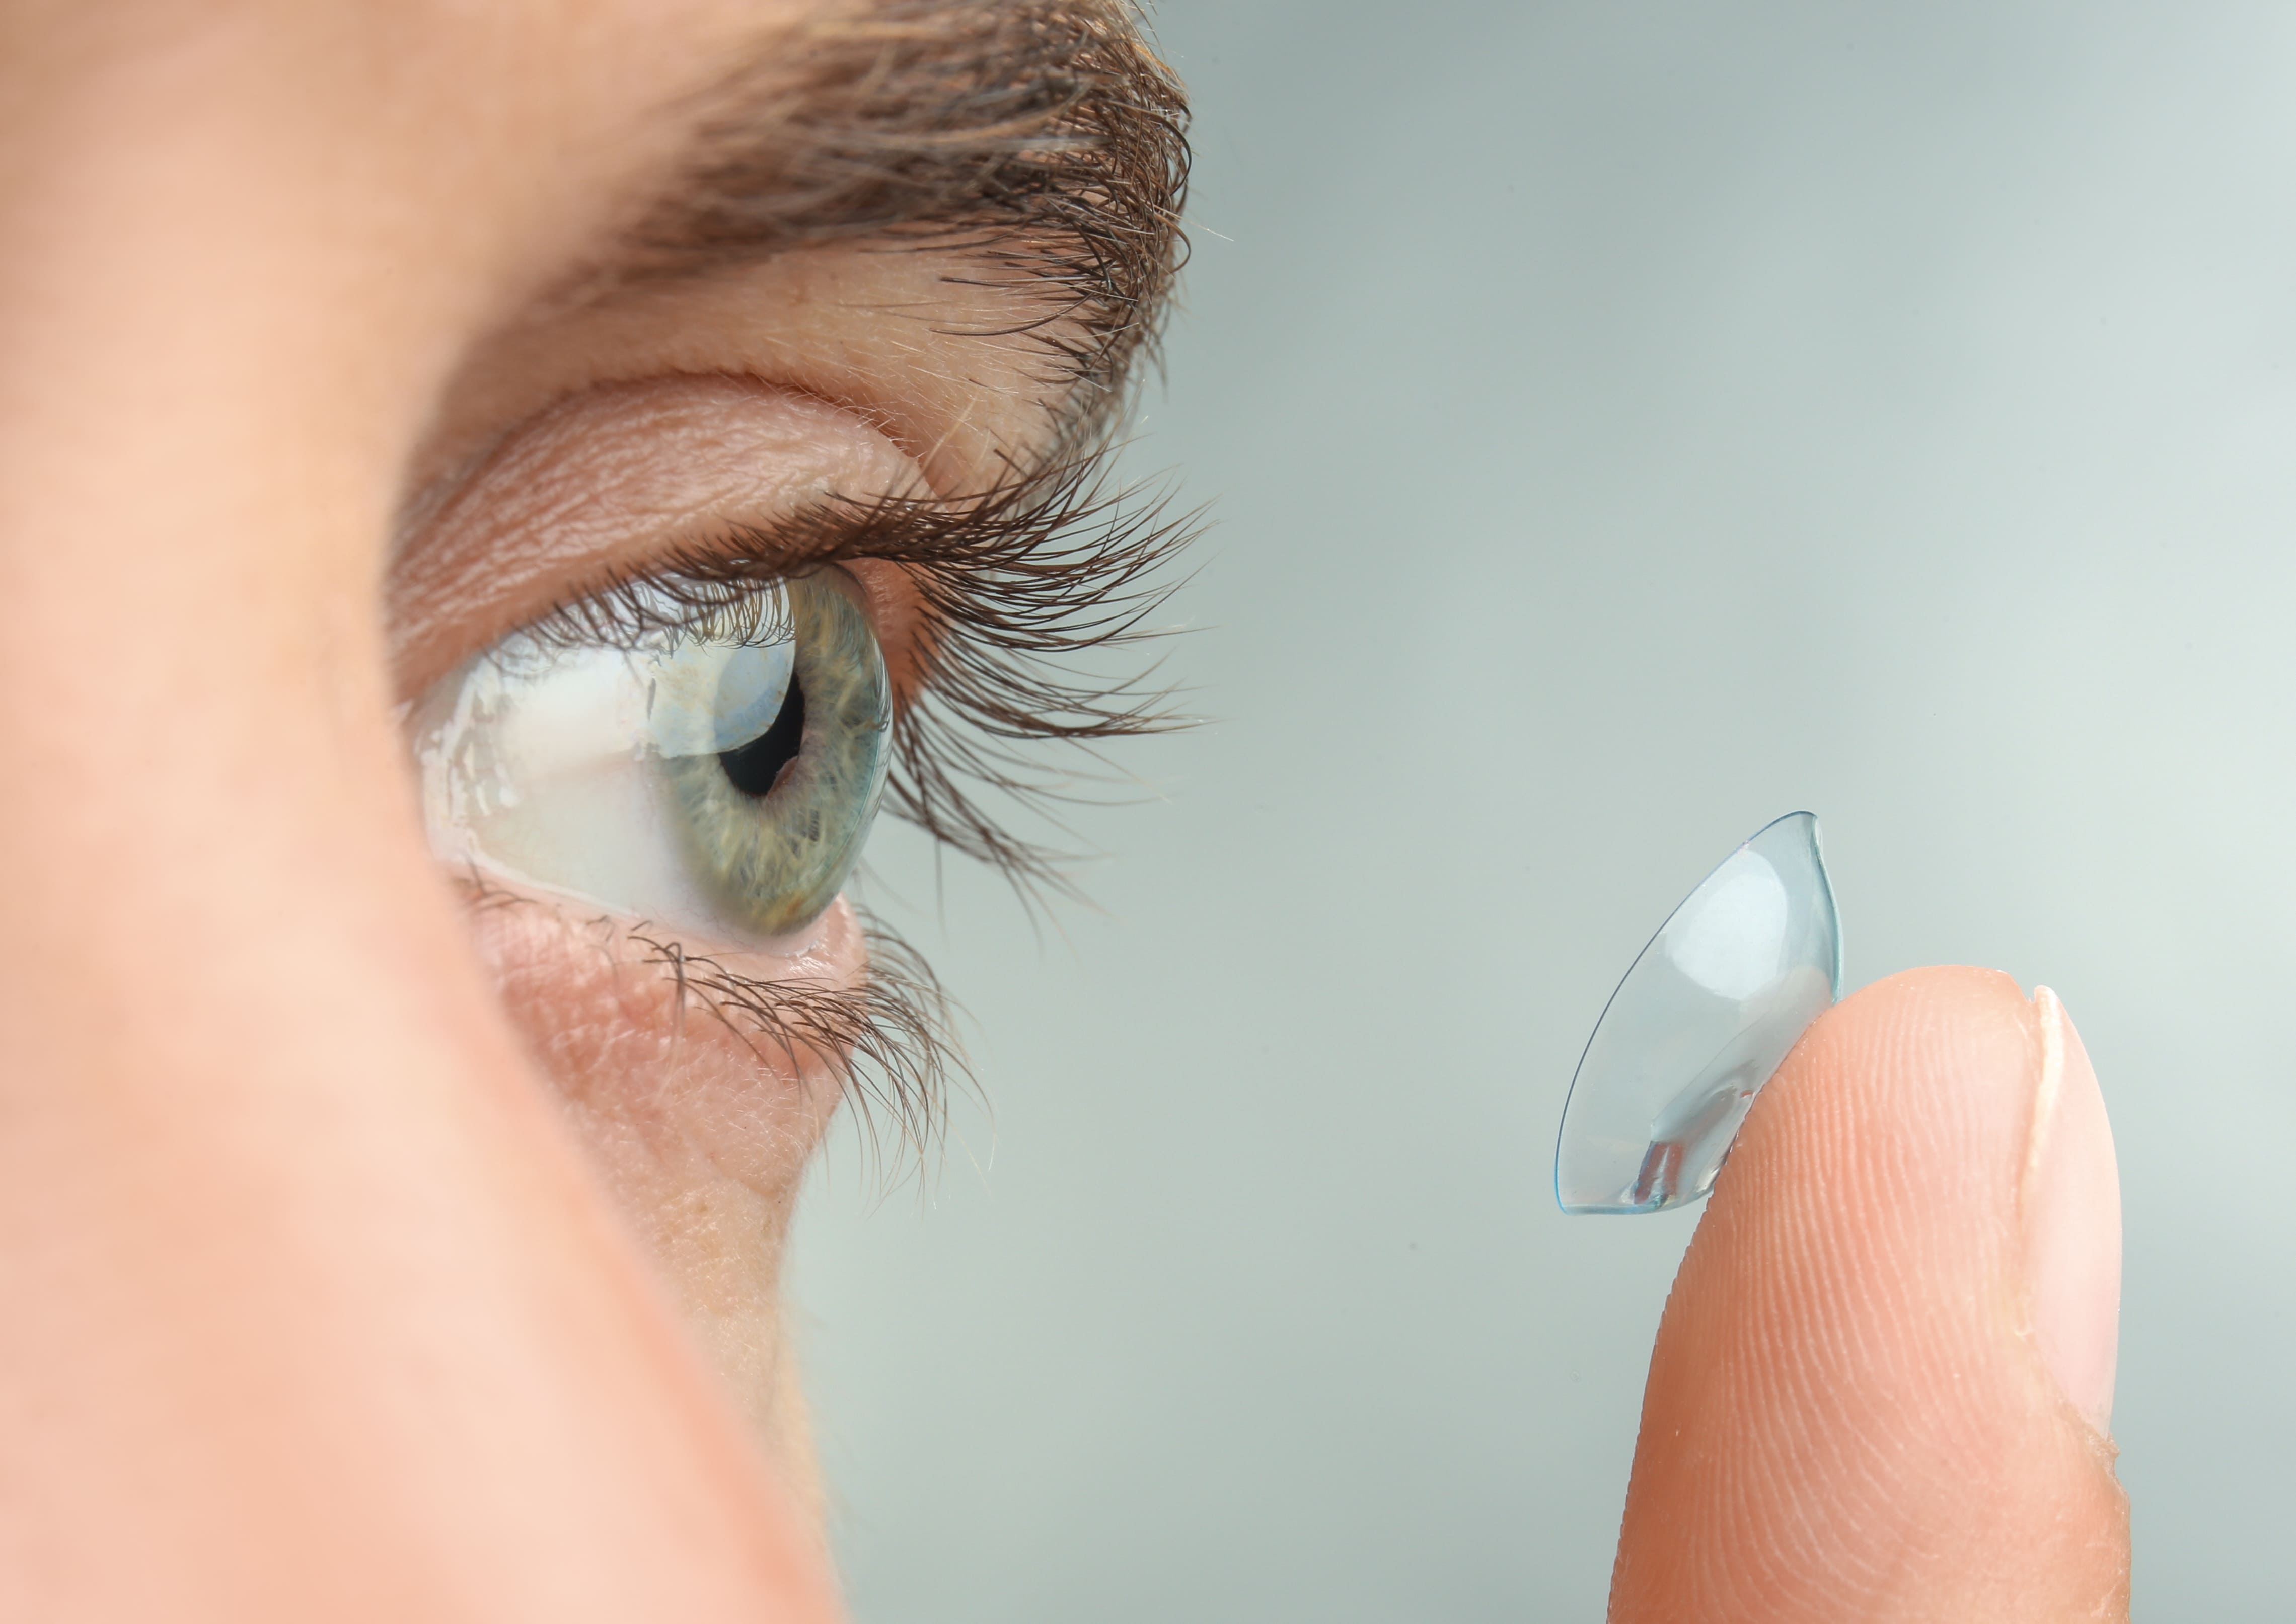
(601,481)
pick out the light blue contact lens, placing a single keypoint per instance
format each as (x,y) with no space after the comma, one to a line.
(1708,1009)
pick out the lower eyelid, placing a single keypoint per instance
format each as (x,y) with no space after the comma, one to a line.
(750,1053)
(620,1027)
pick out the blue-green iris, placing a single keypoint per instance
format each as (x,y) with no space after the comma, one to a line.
(774,816)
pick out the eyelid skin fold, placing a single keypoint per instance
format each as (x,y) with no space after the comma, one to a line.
(601,486)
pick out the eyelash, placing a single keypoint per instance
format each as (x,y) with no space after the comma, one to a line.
(1013,583)
(1046,565)
(891,1040)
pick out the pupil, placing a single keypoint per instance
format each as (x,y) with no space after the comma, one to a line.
(754,767)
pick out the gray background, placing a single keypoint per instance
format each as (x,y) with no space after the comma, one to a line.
(1628,421)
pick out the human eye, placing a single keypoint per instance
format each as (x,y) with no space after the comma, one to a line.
(666,648)
(704,756)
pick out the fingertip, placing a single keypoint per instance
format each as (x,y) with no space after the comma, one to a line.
(1847,1411)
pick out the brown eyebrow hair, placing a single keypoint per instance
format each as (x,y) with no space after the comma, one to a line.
(1041,142)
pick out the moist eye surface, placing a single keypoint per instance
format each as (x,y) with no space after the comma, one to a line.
(716,777)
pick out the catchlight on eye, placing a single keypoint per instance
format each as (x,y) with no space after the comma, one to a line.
(1706,1013)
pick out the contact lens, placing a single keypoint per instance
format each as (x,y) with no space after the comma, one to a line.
(1708,1011)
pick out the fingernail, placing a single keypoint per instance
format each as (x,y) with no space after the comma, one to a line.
(2071,1200)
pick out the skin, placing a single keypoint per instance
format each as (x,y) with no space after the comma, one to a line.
(369,1257)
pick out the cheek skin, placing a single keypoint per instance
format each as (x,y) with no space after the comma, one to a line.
(699,1123)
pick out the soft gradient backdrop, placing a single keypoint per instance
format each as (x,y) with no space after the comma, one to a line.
(1627,422)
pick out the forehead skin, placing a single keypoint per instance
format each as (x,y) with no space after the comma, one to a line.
(478,159)
(452,153)
(171,124)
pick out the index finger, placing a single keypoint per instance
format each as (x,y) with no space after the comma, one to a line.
(1879,1387)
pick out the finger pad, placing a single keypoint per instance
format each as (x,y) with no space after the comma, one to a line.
(1844,1419)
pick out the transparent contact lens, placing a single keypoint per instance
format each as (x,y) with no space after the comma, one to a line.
(1706,1012)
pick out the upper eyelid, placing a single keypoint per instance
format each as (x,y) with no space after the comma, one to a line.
(445,481)
(951,543)
(609,484)
(686,593)
(893,341)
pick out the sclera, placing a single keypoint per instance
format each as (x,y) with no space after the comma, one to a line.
(1703,1018)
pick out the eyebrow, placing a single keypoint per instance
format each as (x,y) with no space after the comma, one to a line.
(1040,143)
